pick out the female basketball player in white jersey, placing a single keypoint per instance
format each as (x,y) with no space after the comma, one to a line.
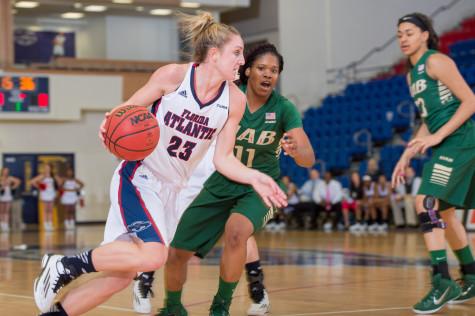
(70,187)
(7,185)
(47,184)
(143,215)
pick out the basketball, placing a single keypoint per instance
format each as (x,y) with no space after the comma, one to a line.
(132,132)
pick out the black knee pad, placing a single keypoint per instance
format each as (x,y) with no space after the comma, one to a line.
(430,219)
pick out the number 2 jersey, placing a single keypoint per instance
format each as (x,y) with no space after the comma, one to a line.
(258,142)
(187,129)
(437,104)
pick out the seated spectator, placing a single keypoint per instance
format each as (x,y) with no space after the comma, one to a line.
(307,209)
(283,217)
(404,197)
(368,199)
(353,201)
(373,170)
(381,203)
(329,194)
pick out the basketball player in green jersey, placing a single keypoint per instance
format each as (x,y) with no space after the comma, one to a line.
(270,123)
(446,104)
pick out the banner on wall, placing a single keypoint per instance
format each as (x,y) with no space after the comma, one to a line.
(42,47)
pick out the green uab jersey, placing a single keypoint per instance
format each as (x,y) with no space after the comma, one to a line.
(449,175)
(258,141)
(437,104)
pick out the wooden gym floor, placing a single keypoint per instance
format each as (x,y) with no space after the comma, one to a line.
(306,273)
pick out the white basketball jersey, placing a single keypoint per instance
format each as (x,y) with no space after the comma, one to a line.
(187,129)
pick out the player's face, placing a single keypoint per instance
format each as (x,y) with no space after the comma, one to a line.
(411,38)
(231,57)
(263,74)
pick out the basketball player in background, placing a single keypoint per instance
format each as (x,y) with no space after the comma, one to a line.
(143,214)
(225,207)
(446,104)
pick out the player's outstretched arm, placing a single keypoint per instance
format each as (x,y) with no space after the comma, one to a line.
(227,164)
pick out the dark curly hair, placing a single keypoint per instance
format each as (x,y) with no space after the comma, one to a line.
(255,53)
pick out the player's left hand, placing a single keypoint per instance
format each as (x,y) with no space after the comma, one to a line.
(269,191)
(289,145)
(421,144)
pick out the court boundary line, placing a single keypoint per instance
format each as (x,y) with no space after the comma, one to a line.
(121,309)
(114,308)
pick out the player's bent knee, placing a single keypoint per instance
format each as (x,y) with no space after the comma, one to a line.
(152,256)
(430,218)
(178,256)
(235,238)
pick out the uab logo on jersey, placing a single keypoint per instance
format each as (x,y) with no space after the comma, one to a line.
(265,137)
(418,86)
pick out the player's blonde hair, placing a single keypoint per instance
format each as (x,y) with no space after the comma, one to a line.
(203,33)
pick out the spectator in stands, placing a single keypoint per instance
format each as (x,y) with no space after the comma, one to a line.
(330,195)
(8,185)
(58,45)
(307,210)
(353,202)
(281,216)
(381,203)
(292,200)
(368,198)
(306,191)
(404,197)
(373,169)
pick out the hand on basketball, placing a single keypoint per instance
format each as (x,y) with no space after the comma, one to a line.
(421,144)
(289,145)
(269,191)
(102,129)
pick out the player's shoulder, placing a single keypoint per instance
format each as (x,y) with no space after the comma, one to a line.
(236,95)
(284,102)
(438,60)
(169,77)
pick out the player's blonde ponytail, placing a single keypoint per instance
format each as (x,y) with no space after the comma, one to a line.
(203,32)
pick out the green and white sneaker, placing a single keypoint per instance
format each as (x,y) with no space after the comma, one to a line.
(173,310)
(219,307)
(442,292)
(468,289)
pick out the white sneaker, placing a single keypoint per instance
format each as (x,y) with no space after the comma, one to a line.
(355,227)
(383,227)
(142,294)
(373,227)
(271,227)
(260,309)
(327,227)
(280,226)
(50,280)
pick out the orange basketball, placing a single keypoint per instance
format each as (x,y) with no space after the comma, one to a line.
(132,132)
